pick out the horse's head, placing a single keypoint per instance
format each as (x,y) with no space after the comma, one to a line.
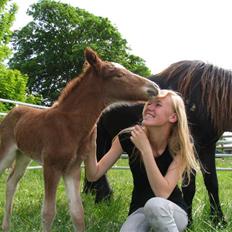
(117,83)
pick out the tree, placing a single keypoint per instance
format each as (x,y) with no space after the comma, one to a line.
(13,86)
(50,48)
(12,82)
(7,16)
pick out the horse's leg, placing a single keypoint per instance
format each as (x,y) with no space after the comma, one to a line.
(104,141)
(18,171)
(189,189)
(101,187)
(207,158)
(51,181)
(7,154)
(72,186)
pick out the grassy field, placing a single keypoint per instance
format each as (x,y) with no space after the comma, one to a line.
(106,217)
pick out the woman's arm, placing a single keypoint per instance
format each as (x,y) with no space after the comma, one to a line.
(94,170)
(162,186)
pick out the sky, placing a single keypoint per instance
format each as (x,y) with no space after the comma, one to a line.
(164,31)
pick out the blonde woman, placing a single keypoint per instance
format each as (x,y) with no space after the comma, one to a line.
(160,151)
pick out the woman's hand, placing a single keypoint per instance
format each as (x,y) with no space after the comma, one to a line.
(140,140)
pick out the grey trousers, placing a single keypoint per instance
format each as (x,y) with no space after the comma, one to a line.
(158,214)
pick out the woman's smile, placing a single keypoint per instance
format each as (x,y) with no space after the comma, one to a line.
(149,116)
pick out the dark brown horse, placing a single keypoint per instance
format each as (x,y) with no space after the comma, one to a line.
(207,91)
(58,137)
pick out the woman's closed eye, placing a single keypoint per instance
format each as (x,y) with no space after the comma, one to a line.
(158,104)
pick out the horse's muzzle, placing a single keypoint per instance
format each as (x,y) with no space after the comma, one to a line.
(153,90)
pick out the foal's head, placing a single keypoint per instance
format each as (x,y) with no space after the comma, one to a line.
(116,83)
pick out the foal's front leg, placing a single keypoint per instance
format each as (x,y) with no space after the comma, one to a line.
(51,181)
(72,186)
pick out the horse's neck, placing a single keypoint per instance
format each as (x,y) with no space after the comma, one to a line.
(86,100)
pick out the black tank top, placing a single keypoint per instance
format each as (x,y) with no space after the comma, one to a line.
(142,191)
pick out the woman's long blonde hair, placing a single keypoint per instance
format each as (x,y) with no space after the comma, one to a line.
(180,141)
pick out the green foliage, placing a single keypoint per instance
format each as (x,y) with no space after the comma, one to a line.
(50,48)
(13,86)
(7,16)
(12,82)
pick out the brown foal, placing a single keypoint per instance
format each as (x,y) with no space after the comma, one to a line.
(56,137)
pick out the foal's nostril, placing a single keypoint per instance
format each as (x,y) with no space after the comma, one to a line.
(152,92)
(155,86)
(152,89)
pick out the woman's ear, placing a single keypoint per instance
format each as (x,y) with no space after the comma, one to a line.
(173,118)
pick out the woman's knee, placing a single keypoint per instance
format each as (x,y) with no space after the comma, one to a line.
(163,214)
(136,222)
(156,207)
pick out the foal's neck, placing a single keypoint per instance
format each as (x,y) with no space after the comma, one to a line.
(83,98)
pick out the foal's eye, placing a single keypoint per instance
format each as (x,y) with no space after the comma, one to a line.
(118,75)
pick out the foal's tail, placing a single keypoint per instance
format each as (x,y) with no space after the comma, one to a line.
(8,145)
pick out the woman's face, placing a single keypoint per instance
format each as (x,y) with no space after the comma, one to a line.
(159,112)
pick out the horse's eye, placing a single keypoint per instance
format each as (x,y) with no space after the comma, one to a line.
(118,75)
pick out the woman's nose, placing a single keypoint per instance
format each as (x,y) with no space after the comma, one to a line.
(151,106)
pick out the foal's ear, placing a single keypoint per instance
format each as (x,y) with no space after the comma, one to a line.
(92,58)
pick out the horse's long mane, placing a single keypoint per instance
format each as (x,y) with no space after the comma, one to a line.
(215,84)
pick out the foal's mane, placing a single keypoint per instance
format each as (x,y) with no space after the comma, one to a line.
(73,84)
(215,84)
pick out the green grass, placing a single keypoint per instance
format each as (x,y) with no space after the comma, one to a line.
(109,216)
